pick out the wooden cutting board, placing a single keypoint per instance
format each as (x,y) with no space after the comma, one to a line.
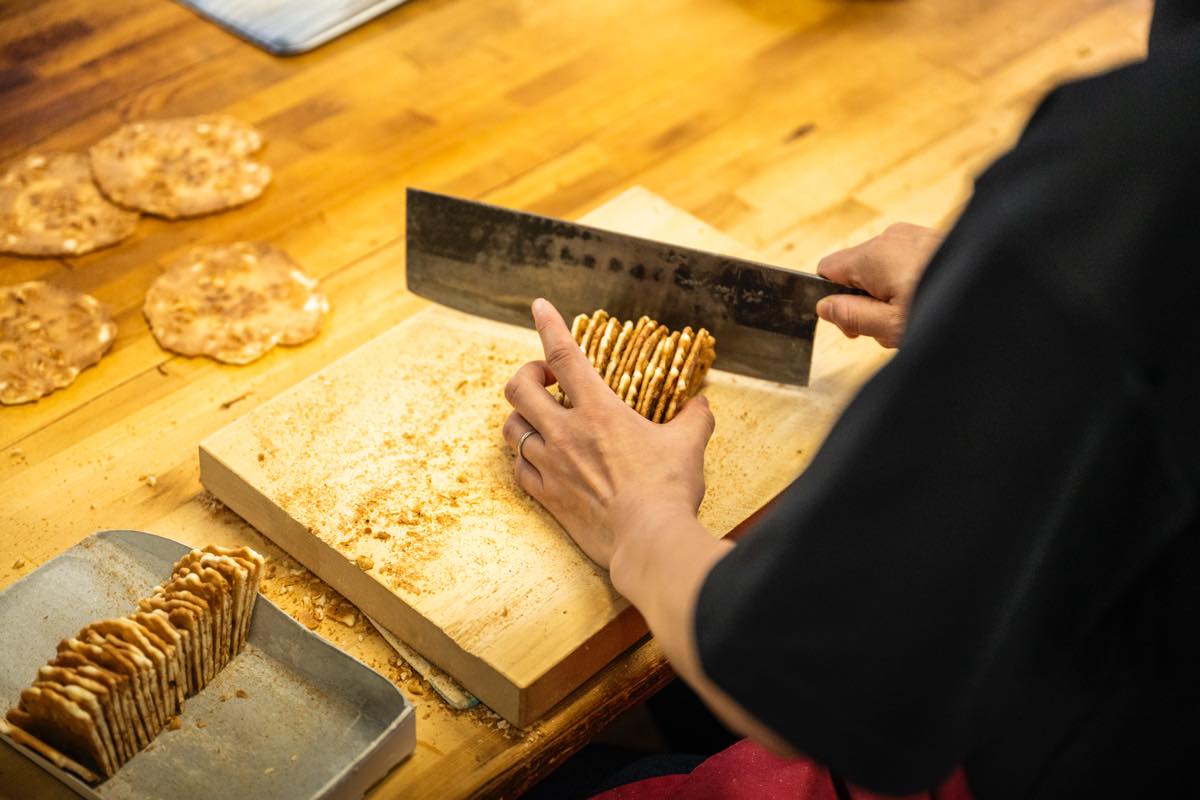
(386,474)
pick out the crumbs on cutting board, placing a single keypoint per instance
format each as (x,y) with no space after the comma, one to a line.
(311,601)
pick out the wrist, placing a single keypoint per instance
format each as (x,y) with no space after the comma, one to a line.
(650,547)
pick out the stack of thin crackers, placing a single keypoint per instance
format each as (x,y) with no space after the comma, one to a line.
(117,683)
(653,369)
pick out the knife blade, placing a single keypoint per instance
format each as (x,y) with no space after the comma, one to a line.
(493,262)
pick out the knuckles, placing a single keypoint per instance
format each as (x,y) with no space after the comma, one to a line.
(561,354)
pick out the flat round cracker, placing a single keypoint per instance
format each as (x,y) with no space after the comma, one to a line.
(640,331)
(181,167)
(233,303)
(49,206)
(672,375)
(47,335)
(618,349)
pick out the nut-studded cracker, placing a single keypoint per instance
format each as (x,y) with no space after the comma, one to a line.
(47,336)
(90,704)
(52,718)
(657,370)
(118,687)
(707,356)
(107,701)
(181,167)
(649,348)
(49,206)
(607,340)
(644,327)
(233,302)
(672,376)
(51,754)
(578,326)
(618,352)
(686,375)
(593,332)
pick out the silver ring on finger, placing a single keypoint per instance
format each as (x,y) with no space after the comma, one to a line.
(521,442)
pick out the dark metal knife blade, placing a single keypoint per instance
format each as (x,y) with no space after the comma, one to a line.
(493,262)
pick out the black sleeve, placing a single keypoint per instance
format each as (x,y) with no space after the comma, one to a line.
(970,515)
(1172,17)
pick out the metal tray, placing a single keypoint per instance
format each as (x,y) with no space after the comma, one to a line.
(315,723)
(289,27)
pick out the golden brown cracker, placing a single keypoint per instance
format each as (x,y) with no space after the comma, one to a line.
(629,351)
(49,206)
(686,372)
(672,375)
(578,326)
(607,340)
(618,348)
(46,751)
(181,167)
(48,334)
(233,302)
(657,369)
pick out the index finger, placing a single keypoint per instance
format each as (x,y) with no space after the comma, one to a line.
(568,363)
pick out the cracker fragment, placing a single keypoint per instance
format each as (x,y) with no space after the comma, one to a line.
(48,334)
(233,302)
(49,206)
(181,167)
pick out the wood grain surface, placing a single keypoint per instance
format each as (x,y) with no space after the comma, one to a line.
(796,127)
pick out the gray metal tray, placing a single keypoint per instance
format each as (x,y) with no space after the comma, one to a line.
(289,27)
(316,723)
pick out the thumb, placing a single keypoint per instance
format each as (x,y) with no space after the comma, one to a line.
(696,419)
(857,315)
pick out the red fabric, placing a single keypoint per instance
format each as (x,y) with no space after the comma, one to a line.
(746,771)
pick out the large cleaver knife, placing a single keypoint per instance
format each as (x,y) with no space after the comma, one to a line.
(493,262)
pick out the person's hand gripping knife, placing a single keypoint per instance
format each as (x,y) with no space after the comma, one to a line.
(626,490)
(888,267)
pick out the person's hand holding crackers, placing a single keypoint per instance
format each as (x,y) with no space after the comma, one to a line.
(604,471)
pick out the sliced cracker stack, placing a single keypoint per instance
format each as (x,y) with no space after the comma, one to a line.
(117,683)
(653,369)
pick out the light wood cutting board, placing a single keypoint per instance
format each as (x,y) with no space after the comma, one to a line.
(386,474)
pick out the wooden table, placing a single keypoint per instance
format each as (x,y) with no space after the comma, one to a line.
(795,127)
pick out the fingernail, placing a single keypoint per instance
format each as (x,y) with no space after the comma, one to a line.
(823,308)
(540,306)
